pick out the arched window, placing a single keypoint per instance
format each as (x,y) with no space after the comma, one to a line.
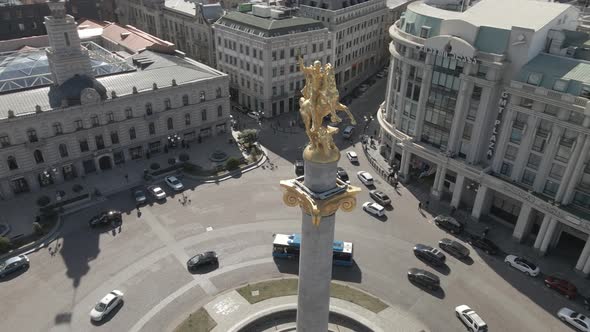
(132,133)
(218,92)
(94,120)
(219,111)
(148,108)
(57,130)
(128,113)
(110,117)
(11,161)
(38,156)
(187,119)
(32,135)
(63,150)
(170,124)
(202,96)
(152,128)
(167,104)
(185,100)
(4,141)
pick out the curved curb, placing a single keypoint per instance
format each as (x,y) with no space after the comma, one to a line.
(41,243)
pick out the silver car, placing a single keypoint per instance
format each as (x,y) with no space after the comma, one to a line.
(13,264)
(106,305)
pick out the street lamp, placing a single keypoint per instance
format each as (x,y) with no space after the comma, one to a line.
(368,120)
(173,140)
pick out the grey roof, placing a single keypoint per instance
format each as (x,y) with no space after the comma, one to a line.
(267,27)
(554,67)
(212,12)
(392,4)
(164,68)
(71,90)
(184,6)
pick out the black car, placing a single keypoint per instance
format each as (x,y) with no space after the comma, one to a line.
(342,175)
(424,278)
(429,254)
(449,223)
(206,258)
(299,170)
(484,244)
(454,248)
(105,218)
(380,197)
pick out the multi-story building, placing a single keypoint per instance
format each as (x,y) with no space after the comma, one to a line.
(358,31)
(185,23)
(59,120)
(22,18)
(492,104)
(259,51)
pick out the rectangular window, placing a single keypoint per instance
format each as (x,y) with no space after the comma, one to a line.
(274,55)
(204,115)
(526,102)
(152,128)
(534,161)
(4,141)
(114,137)
(282,54)
(187,119)
(528,177)
(83,146)
(556,171)
(550,188)
(563,153)
(511,152)
(424,32)
(506,169)
(467,130)
(539,144)
(516,135)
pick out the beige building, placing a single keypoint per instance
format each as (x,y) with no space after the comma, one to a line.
(82,109)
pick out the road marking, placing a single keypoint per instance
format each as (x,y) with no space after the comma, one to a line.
(209,229)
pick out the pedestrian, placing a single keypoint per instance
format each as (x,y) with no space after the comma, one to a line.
(127,177)
(420,206)
(485,232)
(395,184)
(453,209)
(427,203)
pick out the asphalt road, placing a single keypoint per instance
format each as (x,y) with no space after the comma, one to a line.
(146,256)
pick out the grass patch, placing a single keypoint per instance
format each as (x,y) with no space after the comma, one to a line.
(198,321)
(286,287)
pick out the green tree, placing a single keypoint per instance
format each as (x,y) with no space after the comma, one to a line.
(248,136)
(232,164)
(4,244)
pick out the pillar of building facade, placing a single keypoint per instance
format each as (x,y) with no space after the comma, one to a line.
(573,177)
(480,202)
(405,71)
(33,181)
(525,145)
(523,223)
(439,180)
(6,191)
(567,174)
(584,255)
(463,97)
(545,166)
(480,138)
(586,269)
(502,141)
(390,91)
(542,231)
(79,166)
(58,176)
(404,172)
(423,98)
(458,191)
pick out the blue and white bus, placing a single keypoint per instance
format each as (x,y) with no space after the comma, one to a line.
(287,246)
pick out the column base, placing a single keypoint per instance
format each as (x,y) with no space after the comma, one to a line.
(580,273)
(435,194)
(517,239)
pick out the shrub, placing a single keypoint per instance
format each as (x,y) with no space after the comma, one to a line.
(38,229)
(4,244)
(183,157)
(155,166)
(248,136)
(43,201)
(77,188)
(232,164)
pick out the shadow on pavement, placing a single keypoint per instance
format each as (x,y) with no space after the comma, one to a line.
(439,293)
(342,273)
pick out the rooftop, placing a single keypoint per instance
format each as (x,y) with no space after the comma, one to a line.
(268,27)
(183,6)
(164,68)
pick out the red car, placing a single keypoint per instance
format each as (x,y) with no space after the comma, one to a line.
(561,285)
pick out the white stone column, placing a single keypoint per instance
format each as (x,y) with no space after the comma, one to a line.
(584,255)
(405,71)
(439,180)
(545,166)
(503,139)
(523,222)
(405,165)
(542,231)
(480,201)
(423,98)
(524,148)
(573,179)
(463,99)
(459,184)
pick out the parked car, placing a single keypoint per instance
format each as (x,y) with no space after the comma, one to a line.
(105,218)
(157,192)
(523,265)
(381,74)
(348,131)
(106,305)
(454,248)
(174,183)
(342,175)
(448,223)
(471,319)
(352,157)
(562,286)
(139,196)
(365,178)
(429,254)
(424,278)
(380,197)
(205,258)
(374,209)
(575,319)
(299,170)
(253,115)
(13,264)
(484,244)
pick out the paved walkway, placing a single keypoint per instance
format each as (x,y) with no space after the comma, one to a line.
(20,212)
(232,312)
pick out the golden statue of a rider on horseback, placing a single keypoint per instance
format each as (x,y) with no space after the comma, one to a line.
(320,98)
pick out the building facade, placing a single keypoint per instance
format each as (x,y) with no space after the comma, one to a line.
(69,122)
(259,53)
(358,33)
(494,110)
(185,23)
(20,19)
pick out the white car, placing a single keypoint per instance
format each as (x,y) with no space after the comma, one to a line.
(174,183)
(523,265)
(365,178)
(253,115)
(157,192)
(575,319)
(106,305)
(374,209)
(471,319)
(352,156)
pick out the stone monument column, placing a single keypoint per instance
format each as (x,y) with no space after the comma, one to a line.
(320,195)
